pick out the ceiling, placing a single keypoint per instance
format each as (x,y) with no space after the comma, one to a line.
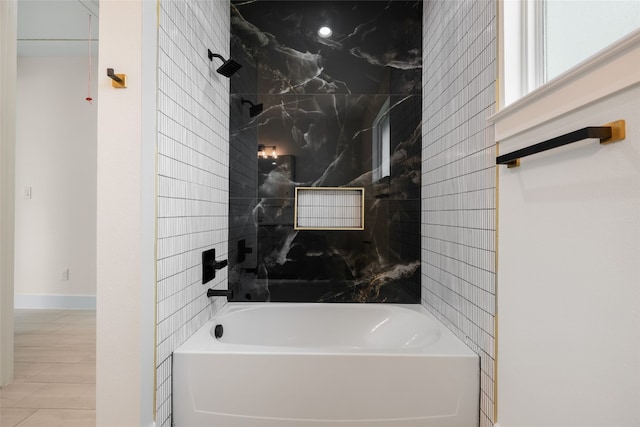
(57,27)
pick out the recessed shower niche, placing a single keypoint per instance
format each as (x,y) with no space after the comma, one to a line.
(339,111)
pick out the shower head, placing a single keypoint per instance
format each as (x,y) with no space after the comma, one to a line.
(228,68)
(255,109)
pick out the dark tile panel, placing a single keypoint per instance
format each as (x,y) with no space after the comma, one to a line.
(376,47)
(322,100)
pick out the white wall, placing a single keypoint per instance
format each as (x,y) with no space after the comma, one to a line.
(8,26)
(569,270)
(126,215)
(193,174)
(459,177)
(176,149)
(56,158)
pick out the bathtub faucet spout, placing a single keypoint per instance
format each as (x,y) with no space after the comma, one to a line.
(219,293)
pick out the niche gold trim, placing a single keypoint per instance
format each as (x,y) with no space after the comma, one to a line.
(352,189)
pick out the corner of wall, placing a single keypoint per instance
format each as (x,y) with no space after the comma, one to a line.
(8,55)
(459,178)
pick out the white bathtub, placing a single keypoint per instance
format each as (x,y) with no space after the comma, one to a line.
(286,365)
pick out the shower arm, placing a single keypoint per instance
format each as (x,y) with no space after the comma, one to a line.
(212,55)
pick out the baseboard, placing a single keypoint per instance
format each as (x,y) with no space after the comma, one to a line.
(69,302)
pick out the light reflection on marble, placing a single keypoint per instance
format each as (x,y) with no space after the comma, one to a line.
(321,97)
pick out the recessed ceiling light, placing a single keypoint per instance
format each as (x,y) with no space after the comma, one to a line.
(325,32)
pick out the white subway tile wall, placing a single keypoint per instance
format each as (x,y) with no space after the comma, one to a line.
(459,177)
(192,174)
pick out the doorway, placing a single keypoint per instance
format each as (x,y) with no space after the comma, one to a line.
(55,164)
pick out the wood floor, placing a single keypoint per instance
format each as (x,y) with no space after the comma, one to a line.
(55,370)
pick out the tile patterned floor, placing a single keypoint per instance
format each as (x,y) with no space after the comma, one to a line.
(54,371)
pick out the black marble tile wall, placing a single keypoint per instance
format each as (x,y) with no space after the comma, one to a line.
(326,103)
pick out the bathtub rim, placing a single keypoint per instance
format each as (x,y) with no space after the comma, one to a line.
(202,341)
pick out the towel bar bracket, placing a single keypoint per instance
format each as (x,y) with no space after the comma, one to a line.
(513,164)
(119,81)
(618,132)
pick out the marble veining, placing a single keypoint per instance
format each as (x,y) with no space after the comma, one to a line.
(324,102)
